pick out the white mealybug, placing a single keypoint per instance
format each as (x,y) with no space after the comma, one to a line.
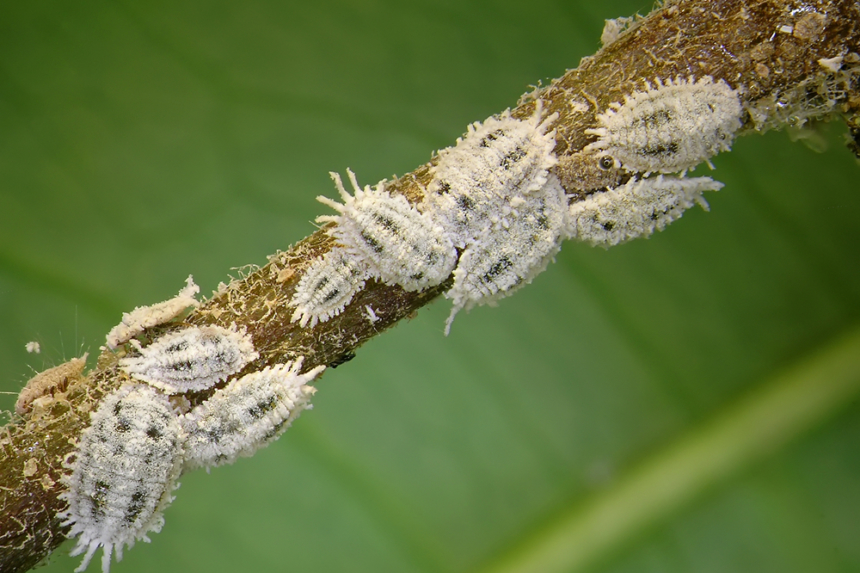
(247,414)
(501,158)
(635,209)
(123,473)
(327,286)
(400,244)
(191,359)
(502,262)
(143,317)
(672,126)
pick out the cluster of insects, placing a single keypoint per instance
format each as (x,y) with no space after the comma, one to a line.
(140,440)
(499,204)
(500,201)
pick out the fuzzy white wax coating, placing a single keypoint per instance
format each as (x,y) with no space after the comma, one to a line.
(191,359)
(496,161)
(246,415)
(635,209)
(143,317)
(124,469)
(400,244)
(327,286)
(504,261)
(671,126)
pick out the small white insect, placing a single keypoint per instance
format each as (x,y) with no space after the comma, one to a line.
(474,181)
(143,317)
(636,209)
(672,126)
(33,347)
(124,470)
(194,358)
(502,262)
(327,286)
(247,414)
(400,244)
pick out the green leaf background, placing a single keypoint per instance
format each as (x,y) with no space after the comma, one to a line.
(141,142)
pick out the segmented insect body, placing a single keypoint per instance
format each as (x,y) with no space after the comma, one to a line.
(52,380)
(327,286)
(143,317)
(400,244)
(195,358)
(474,181)
(124,470)
(635,209)
(494,268)
(247,414)
(671,126)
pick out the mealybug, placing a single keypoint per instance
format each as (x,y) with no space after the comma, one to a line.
(125,467)
(246,414)
(494,268)
(636,209)
(191,359)
(143,317)
(499,159)
(327,286)
(672,126)
(400,244)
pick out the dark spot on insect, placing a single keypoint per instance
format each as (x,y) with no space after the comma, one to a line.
(465,203)
(656,119)
(262,407)
(372,242)
(386,222)
(492,136)
(153,432)
(417,276)
(606,162)
(512,157)
(498,268)
(99,497)
(117,408)
(177,346)
(543,222)
(608,225)
(443,188)
(122,426)
(661,150)
(182,366)
(321,283)
(333,294)
(275,430)
(342,359)
(135,507)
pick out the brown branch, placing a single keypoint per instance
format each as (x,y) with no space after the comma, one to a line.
(770,50)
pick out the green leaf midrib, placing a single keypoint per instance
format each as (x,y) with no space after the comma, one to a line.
(774,414)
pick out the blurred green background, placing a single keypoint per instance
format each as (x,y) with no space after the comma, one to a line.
(141,142)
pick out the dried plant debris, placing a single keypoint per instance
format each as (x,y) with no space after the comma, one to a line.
(497,160)
(51,381)
(247,414)
(191,359)
(502,261)
(671,126)
(636,209)
(143,317)
(327,286)
(123,472)
(399,244)
(815,97)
